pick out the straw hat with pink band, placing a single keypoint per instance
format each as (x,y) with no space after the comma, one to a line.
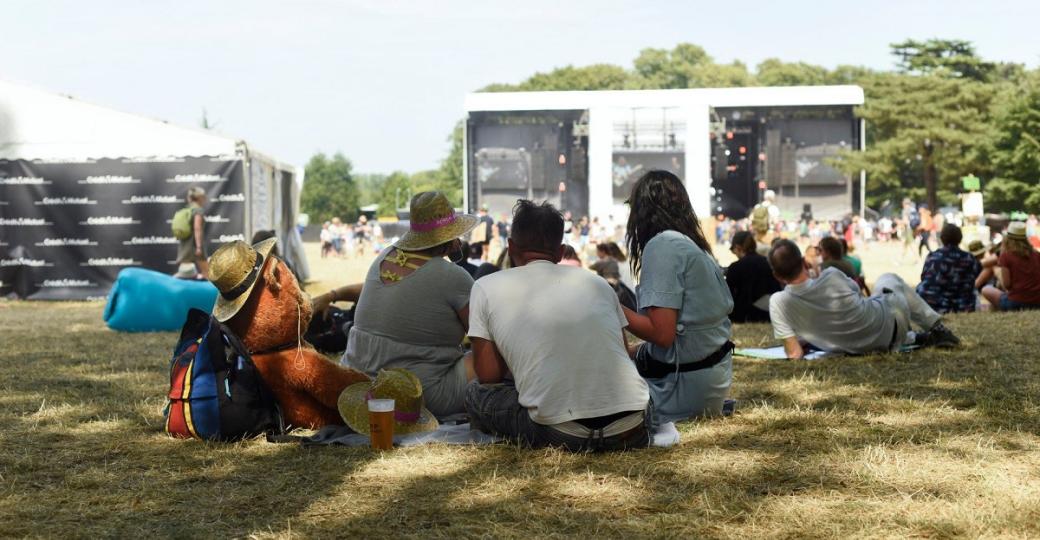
(400,385)
(433,221)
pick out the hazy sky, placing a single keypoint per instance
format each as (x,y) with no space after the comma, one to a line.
(383,82)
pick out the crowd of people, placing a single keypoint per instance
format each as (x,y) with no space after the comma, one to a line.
(536,345)
(347,240)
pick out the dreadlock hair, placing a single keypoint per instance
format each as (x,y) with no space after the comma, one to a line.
(658,203)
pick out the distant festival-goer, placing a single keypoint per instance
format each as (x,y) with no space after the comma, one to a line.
(193,248)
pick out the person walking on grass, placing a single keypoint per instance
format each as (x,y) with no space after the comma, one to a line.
(684,302)
(549,349)
(830,313)
(192,250)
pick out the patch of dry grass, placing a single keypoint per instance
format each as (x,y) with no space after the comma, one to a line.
(937,443)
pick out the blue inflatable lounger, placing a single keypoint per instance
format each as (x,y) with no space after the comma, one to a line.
(149,301)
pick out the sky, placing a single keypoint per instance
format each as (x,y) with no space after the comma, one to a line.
(383,82)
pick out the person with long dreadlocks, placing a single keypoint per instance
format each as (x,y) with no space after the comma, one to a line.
(683,302)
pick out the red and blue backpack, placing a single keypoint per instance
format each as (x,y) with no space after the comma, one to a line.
(216,392)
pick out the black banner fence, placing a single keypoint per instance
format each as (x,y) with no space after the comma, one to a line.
(68,228)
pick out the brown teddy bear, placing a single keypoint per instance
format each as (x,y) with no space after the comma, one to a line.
(261,301)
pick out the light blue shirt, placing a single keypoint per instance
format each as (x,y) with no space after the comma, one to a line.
(678,274)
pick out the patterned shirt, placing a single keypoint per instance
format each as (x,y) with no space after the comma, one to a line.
(948,280)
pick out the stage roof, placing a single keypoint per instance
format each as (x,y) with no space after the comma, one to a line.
(773,96)
(40,125)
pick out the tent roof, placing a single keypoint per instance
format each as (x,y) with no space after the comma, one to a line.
(36,124)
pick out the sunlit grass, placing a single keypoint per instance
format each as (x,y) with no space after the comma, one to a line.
(933,444)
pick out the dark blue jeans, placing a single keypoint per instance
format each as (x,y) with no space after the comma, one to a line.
(496,409)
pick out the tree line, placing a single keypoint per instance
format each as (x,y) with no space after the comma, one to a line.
(941,113)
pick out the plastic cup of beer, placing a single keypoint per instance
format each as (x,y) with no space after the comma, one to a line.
(381,423)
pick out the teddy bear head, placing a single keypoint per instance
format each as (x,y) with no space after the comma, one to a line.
(277,312)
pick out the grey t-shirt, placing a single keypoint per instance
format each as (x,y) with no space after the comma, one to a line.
(830,313)
(412,323)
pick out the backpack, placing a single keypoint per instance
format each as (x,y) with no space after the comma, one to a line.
(760,219)
(216,392)
(181,224)
(915,220)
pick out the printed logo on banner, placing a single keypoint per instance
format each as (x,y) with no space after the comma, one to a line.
(60,242)
(110,220)
(160,159)
(25,222)
(153,199)
(110,261)
(24,261)
(66,283)
(23,181)
(150,241)
(64,201)
(195,179)
(227,238)
(217,219)
(231,197)
(109,179)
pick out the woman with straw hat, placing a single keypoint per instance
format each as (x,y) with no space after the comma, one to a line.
(1020,272)
(413,311)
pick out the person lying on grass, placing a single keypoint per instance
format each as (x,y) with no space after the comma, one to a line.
(549,349)
(830,313)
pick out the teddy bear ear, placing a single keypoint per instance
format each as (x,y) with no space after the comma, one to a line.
(273,274)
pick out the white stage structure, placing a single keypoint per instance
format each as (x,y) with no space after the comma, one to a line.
(611,121)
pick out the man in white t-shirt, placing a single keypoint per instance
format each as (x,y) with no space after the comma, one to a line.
(830,313)
(549,349)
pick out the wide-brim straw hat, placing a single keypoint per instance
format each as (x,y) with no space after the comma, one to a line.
(1016,230)
(976,247)
(433,221)
(234,269)
(400,385)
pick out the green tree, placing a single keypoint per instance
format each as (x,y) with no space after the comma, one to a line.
(1015,148)
(594,77)
(922,131)
(329,189)
(774,72)
(448,176)
(395,193)
(944,57)
(687,66)
(370,186)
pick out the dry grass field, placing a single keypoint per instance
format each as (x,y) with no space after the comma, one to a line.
(929,444)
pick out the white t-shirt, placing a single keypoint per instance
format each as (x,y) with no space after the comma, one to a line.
(559,330)
(830,313)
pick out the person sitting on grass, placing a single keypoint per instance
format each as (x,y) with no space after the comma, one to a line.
(570,257)
(549,349)
(611,261)
(833,256)
(1020,272)
(847,256)
(412,311)
(948,277)
(684,303)
(830,313)
(750,281)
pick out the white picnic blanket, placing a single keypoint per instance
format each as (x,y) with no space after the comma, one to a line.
(666,435)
